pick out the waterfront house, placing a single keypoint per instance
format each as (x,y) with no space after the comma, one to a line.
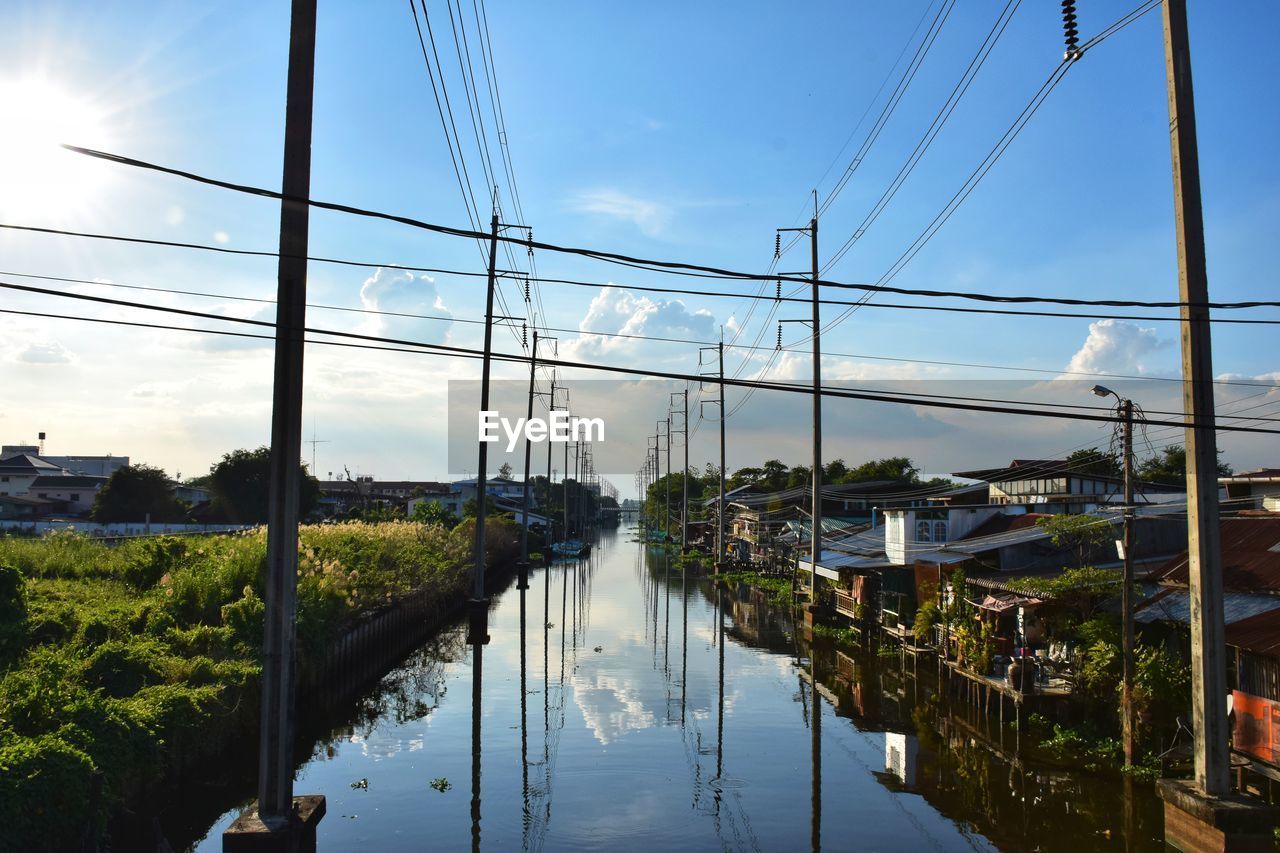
(1056,485)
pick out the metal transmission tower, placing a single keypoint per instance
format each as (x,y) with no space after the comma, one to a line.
(719,381)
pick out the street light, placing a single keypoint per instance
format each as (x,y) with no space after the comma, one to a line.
(1126,595)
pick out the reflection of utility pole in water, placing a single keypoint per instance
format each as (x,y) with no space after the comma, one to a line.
(666,626)
(477,664)
(684,640)
(815,737)
(526,817)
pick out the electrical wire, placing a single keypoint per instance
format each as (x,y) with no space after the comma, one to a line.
(1015,407)
(672,267)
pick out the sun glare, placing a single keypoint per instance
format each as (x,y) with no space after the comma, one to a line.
(37,178)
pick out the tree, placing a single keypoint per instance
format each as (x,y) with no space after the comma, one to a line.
(1080,533)
(135,492)
(472,507)
(505,471)
(1169,467)
(433,512)
(1092,460)
(240,484)
(898,468)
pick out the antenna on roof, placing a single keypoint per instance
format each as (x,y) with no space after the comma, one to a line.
(42,444)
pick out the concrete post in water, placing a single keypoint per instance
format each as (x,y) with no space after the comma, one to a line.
(1203,814)
(479,628)
(280,821)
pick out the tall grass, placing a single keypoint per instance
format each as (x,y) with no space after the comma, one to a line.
(139,658)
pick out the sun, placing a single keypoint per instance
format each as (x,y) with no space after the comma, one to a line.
(38,179)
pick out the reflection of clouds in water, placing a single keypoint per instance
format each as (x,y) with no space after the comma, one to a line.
(610,706)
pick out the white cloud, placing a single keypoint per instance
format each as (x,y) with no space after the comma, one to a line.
(1114,346)
(651,217)
(221,237)
(45,352)
(622,312)
(403,292)
(174,215)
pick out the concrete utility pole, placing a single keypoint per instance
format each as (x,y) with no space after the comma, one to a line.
(684,479)
(815,540)
(551,532)
(479,604)
(1130,733)
(523,582)
(723,417)
(1125,407)
(666,521)
(285,822)
(1208,653)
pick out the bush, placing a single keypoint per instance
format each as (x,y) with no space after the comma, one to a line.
(44,793)
(123,668)
(13,614)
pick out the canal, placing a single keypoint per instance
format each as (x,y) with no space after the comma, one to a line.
(623,706)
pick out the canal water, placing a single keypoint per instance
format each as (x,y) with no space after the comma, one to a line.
(623,706)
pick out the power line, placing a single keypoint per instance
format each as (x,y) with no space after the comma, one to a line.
(635,287)
(935,127)
(1009,406)
(671,267)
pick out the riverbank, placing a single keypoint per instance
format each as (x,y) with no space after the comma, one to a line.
(121,668)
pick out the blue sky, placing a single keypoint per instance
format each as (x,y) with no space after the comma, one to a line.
(675,131)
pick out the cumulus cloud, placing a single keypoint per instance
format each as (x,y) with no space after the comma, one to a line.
(1114,346)
(651,217)
(221,237)
(403,292)
(46,352)
(622,312)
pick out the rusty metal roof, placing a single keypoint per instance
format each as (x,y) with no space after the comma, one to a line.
(1260,633)
(1250,556)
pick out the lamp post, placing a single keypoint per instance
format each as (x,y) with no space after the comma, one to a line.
(1125,407)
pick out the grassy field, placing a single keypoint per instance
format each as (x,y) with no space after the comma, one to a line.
(120,665)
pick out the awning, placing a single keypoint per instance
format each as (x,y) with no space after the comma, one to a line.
(1001,602)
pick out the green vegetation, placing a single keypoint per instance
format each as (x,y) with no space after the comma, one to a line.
(239,484)
(135,492)
(778,589)
(140,659)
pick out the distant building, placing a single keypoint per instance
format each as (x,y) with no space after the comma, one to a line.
(19,471)
(85,466)
(1060,484)
(1262,487)
(76,493)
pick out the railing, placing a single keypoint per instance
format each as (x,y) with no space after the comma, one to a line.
(846,605)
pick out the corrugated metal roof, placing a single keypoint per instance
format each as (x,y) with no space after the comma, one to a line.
(1260,633)
(1174,605)
(1250,556)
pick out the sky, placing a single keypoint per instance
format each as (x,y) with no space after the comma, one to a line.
(685,132)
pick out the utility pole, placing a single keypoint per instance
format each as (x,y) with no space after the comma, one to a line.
(1126,595)
(684,479)
(551,532)
(1129,731)
(666,516)
(719,348)
(816,539)
(289,823)
(479,605)
(523,568)
(1208,653)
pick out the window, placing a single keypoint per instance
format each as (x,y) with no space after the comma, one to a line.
(4,480)
(75,498)
(939,531)
(43,495)
(922,531)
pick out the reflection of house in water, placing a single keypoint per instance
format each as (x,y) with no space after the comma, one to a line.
(901,754)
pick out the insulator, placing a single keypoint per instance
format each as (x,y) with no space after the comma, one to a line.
(777,246)
(777,297)
(531,242)
(1069,31)
(526,290)
(779,346)
(524,335)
